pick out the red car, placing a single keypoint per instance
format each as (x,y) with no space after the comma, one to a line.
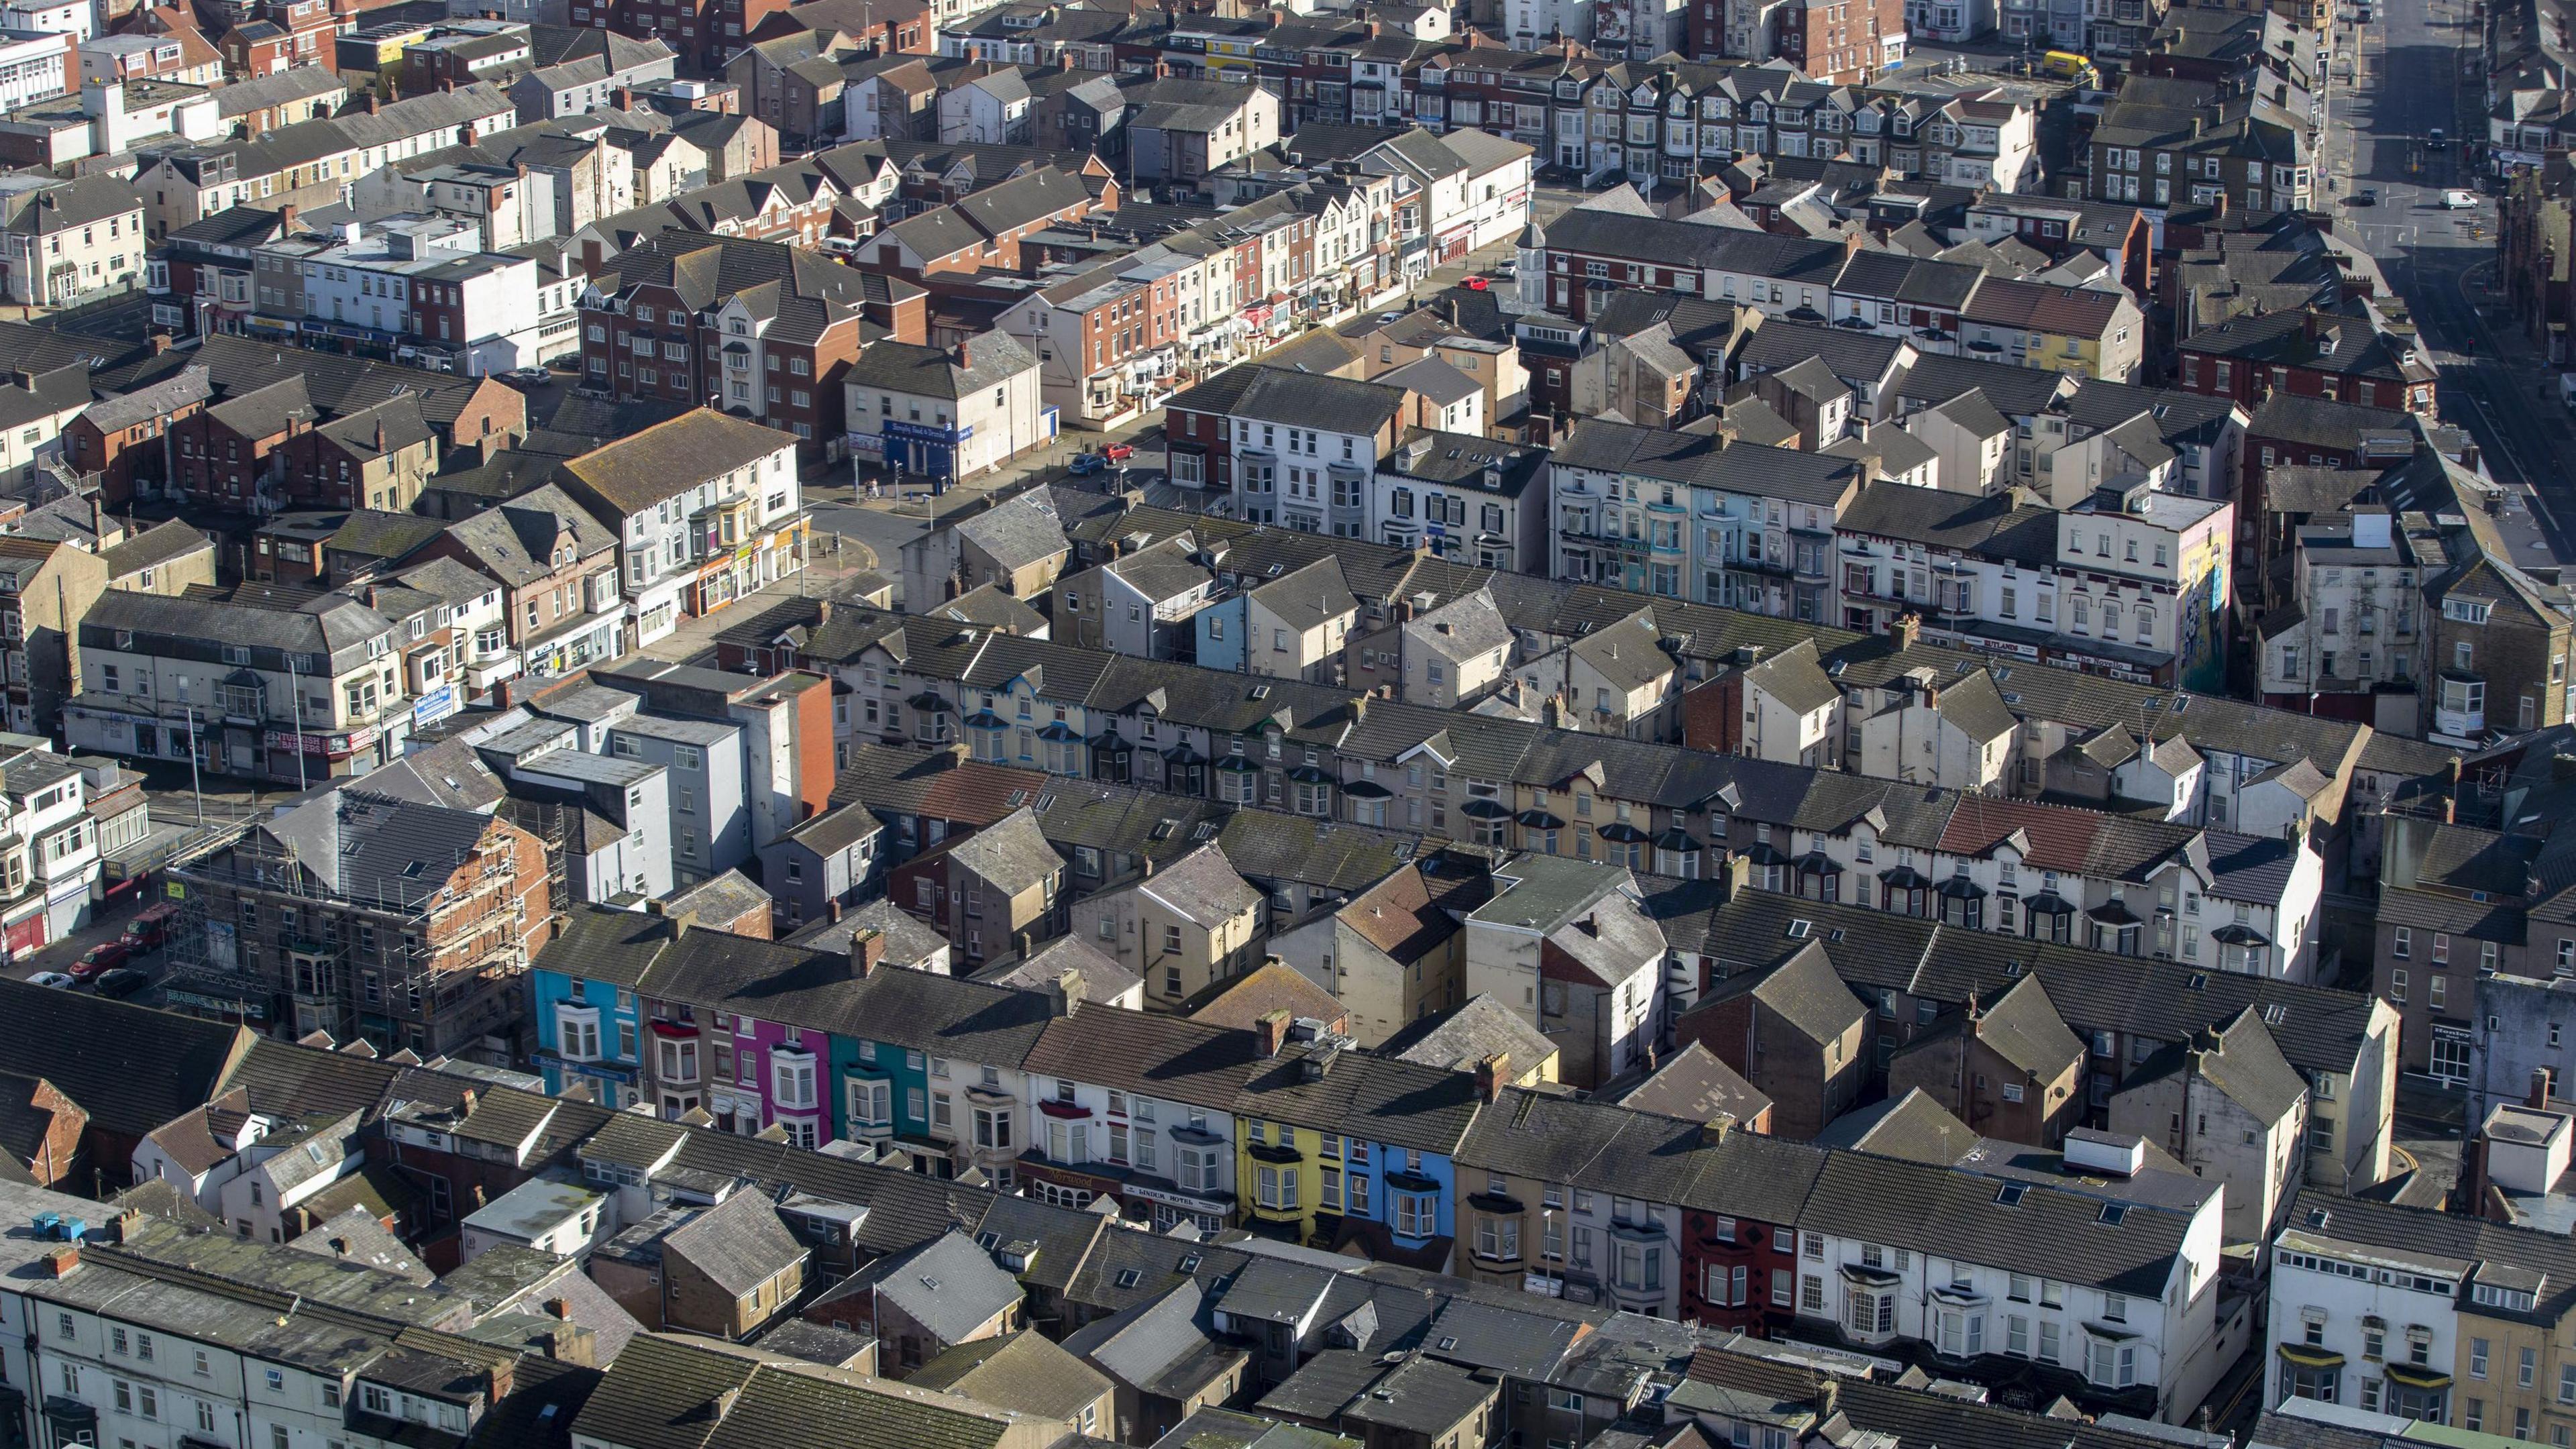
(100,958)
(1476,284)
(1118,452)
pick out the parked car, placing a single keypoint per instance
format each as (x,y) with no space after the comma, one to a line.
(1476,284)
(123,981)
(527,376)
(51,978)
(1118,452)
(150,926)
(99,958)
(2456,199)
(1086,464)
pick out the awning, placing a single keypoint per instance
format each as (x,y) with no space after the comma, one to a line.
(1540,820)
(1816,862)
(2318,1358)
(1677,839)
(1482,808)
(1623,832)
(1904,878)
(2048,903)
(2113,913)
(2412,1376)
(1310,775)
(1366,790)
(1960,888)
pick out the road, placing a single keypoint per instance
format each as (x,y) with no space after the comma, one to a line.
(2416,77)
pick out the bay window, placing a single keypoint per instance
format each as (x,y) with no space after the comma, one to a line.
(577,1032)
(871,1105)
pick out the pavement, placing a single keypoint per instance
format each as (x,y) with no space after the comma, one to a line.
(2416,75)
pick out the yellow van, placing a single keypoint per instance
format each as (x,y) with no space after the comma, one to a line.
(2065,65)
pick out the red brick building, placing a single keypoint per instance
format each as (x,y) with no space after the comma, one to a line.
(670,330)
(2315,354)
(1838,42)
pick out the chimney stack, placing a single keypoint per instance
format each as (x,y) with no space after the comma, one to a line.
(867,949)
(1905,629)
(1273,1029)
(1491,1074)
(64,1261)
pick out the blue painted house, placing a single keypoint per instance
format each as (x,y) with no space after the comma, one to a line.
(585,992)
(1342,1150)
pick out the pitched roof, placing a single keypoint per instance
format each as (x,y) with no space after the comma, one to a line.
(2240,1059)
(1022,1372)
(1468,1033)
(1694,1085)
(948,1285)
(633,474)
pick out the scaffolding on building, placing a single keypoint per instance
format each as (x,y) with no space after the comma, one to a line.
(264,939)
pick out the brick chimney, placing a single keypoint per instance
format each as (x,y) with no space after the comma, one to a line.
(1491,1073)
(622,98)
(1273,1029)
(63,1261)
(1905,629)
(965,359)
(867,949)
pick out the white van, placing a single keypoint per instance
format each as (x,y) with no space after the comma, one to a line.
(2457,200)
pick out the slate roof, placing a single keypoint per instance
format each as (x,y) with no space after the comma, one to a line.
(2319,1029)
(1012,853)
(1309,597)
(1018,532)
(635,473)
(1468,1033)
(1706,461)
(1315,400)
(1912,1126)
(1022,1372)
(375,848)
(2000,526)
(948,1285)
(2240,1059)
(2022,1026)
(1694,1085)
(1803,991)
(1155,1056)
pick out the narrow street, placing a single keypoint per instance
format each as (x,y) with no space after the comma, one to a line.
(2417,76)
